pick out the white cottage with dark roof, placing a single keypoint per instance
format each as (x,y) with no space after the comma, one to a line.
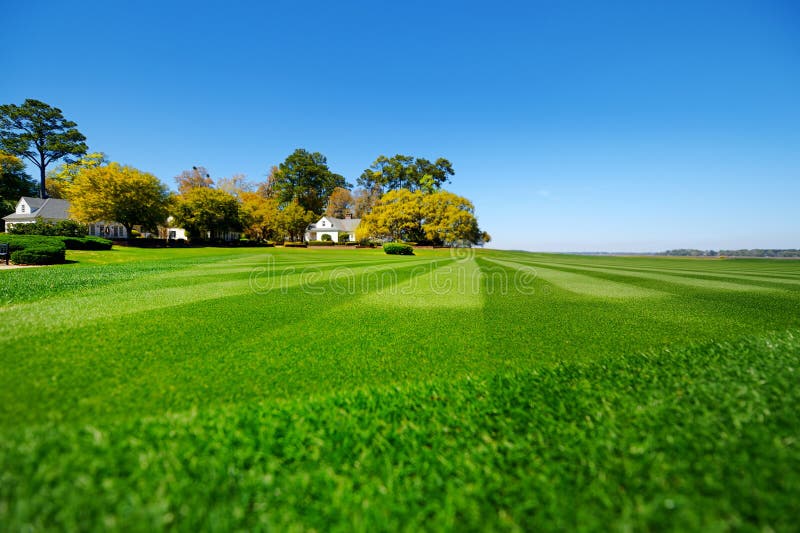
(30,209)
(339,229)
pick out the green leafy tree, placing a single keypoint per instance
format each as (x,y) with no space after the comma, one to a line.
(39,133)
(118,193)
(207,213)
(406,172)
(60,178)
(304,177)
(294,219)
(14,182)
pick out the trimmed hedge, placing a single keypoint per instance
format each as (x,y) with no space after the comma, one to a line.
(321,243)
(396,248)
(295,245)
(40,255)
(86,243)
(21,242)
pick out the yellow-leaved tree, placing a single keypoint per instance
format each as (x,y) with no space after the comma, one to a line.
(60,178)
(117,193)
(260,217)
(438,217)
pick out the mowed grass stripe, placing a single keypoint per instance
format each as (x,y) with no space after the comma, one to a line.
(655,275)
(693,439)
(789,267)
(291,344)
(137,296)
(699,274)
(583,284)
(456,284)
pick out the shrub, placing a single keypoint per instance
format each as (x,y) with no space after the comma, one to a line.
(322,242)
(39,255)
(295,245)
(396,248)
(63,228)
(327,237)
(86,243)
(20,242)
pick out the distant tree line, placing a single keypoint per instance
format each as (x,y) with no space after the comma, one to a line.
(754,252)
(398,197)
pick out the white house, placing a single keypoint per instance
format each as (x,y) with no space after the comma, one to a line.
(29,210)
(339,229)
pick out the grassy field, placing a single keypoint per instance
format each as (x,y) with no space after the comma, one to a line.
(349,390)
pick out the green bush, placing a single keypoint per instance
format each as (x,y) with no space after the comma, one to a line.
(322,242)
(396,248)
(63,228)
(39,255)
(86,243)
(295,245)
(327,237)
(21,242)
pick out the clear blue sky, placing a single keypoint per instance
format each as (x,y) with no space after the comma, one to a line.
(625,126)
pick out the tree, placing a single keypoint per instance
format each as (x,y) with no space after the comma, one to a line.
(207,213)
(236,185)
(294,219)
(190,179)
(365,200)
(260,217)
(120,194)
(40,134)
(267,189)
(306,179)
(440,217)
(406,172)
(398,216)
(340,203)
(449,219)
(60,178)
(14,182)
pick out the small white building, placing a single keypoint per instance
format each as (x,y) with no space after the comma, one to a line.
(30,209)
(339,229)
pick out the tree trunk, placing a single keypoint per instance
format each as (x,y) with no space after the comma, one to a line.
(42,191)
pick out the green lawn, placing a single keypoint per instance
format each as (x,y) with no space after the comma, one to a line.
(345,389)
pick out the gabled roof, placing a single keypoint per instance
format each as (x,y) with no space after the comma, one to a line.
(33,203)
(337,224)
(47,209)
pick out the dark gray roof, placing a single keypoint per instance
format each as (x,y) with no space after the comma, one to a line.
(48,209)
(33,203)
(338,224)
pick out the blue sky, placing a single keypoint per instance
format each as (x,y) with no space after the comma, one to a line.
(573,126)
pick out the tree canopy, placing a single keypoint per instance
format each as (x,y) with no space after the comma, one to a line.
(206,213)
(39,133)
(294,219)
(304,177)
(406,172)
(440,217)
(340,203)
(260,217)
(190,179)
(118,193)
(14,182)
(60,178)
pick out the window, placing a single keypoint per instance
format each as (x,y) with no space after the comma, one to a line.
(21,208)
